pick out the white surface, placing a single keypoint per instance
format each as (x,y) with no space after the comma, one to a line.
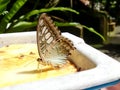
(107,69)
(12,38)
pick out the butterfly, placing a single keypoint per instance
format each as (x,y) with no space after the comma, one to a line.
(53,48)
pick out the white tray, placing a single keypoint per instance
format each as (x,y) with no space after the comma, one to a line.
(107,70)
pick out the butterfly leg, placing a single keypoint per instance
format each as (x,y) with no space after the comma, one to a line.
(38,66)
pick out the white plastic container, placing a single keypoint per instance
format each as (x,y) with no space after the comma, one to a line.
(107,69)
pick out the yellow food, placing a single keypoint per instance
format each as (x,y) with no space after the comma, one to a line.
(18,64)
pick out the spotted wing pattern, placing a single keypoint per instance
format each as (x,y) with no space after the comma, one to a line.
(52,47)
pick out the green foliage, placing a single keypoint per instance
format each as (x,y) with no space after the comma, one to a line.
(9,23)
(3,5)
(93,31)
(78,25)
(21,25)
(5,20)
(23,22)
(33,12)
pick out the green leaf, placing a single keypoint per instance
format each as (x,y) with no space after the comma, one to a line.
(95,32)
(22,26)
(34,12)
(77,25)
(3,5)
(66,24)
(16,6)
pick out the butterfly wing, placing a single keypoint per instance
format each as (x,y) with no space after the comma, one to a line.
(58,53)
(52,47)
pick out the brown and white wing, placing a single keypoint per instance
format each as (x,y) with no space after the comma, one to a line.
(52,47)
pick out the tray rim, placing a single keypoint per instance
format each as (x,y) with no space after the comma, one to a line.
(89,78)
